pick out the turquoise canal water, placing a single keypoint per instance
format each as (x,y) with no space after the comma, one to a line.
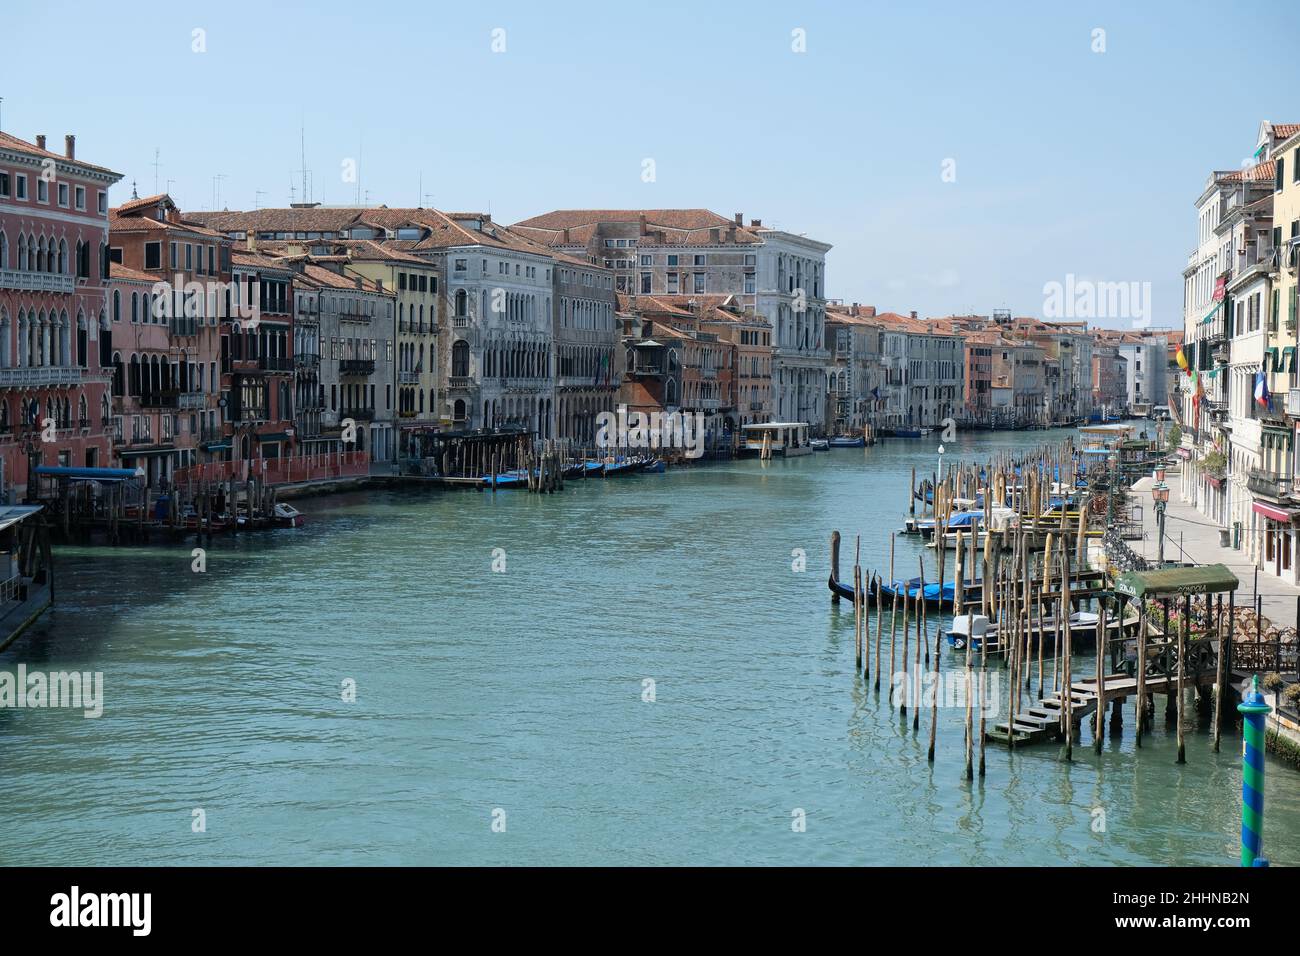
(521,692)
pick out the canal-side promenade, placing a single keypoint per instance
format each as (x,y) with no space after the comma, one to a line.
(1190,536)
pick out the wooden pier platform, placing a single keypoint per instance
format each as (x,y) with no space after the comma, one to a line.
(1045,721)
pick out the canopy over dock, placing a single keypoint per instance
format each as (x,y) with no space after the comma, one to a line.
(1166,582)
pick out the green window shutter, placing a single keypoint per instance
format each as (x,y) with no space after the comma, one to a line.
(1281,176)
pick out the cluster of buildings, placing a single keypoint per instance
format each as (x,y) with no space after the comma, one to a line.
(1237,399)
(138,335)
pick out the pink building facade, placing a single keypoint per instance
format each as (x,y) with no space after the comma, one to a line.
(54,384)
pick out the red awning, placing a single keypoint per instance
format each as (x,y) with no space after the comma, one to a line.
(1274,512)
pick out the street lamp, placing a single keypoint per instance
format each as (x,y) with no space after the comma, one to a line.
(1160,492)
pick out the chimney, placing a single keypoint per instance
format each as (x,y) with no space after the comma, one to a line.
(357,280)
(740,219)
(913,313)
(40,140)
(756,223)
(70,146)
(715,235)
(566,235)
(641,224)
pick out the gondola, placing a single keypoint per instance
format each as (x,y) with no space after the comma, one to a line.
(887,592)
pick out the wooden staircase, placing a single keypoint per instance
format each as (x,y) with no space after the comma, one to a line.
(1043,722)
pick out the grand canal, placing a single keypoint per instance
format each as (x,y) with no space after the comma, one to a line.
(517,696)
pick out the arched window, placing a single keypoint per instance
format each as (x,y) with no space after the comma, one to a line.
(462,303)
(458,410)
(63,257)
(460,359)
(4,251)
(83,357)
(117,306)
(135,306)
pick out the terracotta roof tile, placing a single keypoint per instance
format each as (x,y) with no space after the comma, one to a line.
(8,141)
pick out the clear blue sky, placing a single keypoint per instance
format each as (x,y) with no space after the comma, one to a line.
(1067,161)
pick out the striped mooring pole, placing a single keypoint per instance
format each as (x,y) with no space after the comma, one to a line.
(1253,711)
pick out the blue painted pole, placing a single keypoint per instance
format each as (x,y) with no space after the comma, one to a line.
(1254,711)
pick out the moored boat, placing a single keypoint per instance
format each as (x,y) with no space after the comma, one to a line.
(287,516)
(846,441)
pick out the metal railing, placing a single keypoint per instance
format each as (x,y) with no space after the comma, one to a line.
(356,366)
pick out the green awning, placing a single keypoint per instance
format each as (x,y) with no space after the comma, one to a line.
(1288,352)
(1271,354)
(1206,579)
(216,446)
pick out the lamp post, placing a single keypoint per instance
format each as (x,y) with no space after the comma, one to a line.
(941,462)
(1160,492)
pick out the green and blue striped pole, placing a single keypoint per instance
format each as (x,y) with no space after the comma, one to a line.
(1253,711)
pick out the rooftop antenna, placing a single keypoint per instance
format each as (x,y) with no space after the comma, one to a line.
(257,199)
(2,100)
(302,147)
(292,194)
(360,144)
(216,187)
(156,164)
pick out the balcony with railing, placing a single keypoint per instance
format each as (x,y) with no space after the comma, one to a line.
(55,375)
(306,360)
(275,363)
(165,399)
(1293,402)
(352,315)
(355,366)
(462,382)
(357,413)
(408,378)
(1269,484)
(191,400)
(36,281)
(460,321)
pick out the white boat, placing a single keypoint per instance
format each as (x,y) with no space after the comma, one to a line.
(287,516)
(1083,628)
(820,444)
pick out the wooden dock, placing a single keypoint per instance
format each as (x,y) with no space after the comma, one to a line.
(1044,722)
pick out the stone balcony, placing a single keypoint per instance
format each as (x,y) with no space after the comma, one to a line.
(36,281)
(50,375)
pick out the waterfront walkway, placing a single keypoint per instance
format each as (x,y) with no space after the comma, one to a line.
(1191,536)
